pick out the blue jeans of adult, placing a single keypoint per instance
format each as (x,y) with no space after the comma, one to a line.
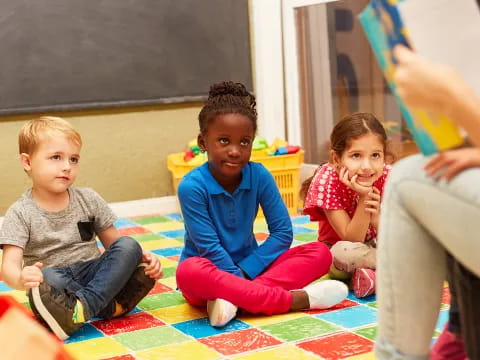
(422,220)
(96,282)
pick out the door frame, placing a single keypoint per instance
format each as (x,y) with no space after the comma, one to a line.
(276,67)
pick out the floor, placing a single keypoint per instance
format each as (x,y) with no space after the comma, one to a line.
(163,326)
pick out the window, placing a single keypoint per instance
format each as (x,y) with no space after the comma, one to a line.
(338,75)
(328,70)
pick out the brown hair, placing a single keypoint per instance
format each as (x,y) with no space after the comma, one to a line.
(227,97)
(34,131)
(349,128)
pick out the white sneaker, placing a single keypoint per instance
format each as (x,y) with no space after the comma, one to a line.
(326,293)
(220,312)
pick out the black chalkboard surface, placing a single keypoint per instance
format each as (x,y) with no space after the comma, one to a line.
(87,54)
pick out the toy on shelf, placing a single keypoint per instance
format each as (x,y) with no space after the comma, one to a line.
(194,154)
(289,149)
(277,144)
(281,147)
(259,143)
(259,147)
(189,155)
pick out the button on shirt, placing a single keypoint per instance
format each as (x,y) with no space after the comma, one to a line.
(219,225)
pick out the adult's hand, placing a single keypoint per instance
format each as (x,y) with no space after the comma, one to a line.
(448,164)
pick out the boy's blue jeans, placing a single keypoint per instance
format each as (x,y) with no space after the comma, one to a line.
(96,282)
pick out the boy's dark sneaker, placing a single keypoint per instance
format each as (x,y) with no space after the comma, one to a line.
(55,308)
(136,288)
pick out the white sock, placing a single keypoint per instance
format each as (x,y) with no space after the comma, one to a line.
(326,293)
(220,312)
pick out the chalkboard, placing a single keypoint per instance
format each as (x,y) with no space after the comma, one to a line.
(87,54)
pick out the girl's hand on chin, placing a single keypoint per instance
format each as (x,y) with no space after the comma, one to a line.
(352,182)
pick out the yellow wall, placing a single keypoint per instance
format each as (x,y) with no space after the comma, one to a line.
(124,151)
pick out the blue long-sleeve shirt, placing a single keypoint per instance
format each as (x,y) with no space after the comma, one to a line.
(219,225)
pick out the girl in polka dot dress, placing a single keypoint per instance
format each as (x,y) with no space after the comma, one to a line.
(344,197)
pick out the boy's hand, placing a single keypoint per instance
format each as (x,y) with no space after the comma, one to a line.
(154,268)
(449,164)
(32,275)
(352,183)
(373,206)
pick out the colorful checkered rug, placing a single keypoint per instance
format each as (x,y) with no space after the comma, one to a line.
(163,326)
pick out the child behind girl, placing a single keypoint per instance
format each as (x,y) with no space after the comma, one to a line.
(344,197)
(221,265)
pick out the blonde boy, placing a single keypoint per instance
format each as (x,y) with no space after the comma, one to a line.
(49,238)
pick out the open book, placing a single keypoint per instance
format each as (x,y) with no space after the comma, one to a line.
(384,26)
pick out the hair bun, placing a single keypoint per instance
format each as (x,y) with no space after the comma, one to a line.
(227,88)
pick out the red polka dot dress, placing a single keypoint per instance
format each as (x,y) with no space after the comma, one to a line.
(326,191)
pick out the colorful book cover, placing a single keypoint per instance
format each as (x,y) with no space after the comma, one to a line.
(384,28)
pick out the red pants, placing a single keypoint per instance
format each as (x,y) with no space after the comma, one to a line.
(200,280)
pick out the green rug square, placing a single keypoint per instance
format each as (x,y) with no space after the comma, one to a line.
(306,237)
(300,328)
(369,332)
(162,300)
(149,338)
(147,237)
(150,220)
(169,272)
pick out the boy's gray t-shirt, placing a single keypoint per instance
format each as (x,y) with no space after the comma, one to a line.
(61,238)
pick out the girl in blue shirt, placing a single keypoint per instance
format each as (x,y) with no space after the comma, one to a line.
(221,265)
